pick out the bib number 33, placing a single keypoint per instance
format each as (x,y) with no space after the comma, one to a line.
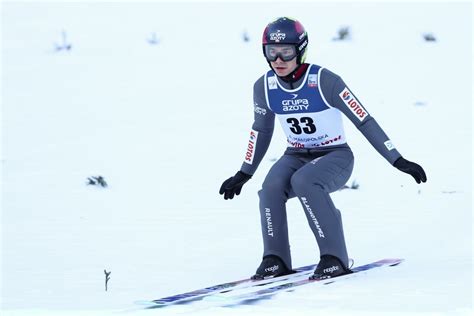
(303,125)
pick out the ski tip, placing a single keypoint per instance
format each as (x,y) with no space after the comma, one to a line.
(391,261)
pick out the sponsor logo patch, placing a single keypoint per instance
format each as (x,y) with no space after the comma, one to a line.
(312,81)
(329,141)
(353,104)
(272,269)
(268,216)
(303,45)
(294,104)
(295,144)
(272,83)
(251,147)
(331,269)
(389,145)
(259,110)
(277,36)
(313,216)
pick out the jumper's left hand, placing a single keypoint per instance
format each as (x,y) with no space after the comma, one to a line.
(415,170)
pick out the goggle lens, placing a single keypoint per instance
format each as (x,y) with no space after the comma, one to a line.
(285,52)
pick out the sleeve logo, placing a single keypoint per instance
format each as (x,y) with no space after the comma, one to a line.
(353,104)
(259,110)
(388,144)
(251,147)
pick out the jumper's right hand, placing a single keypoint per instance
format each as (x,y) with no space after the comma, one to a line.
(233,185)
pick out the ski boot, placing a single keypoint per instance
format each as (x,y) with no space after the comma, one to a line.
(271,266)
(329,267)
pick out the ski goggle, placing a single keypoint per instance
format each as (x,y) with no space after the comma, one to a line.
(285,52)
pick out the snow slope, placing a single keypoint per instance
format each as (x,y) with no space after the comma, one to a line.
(166,124)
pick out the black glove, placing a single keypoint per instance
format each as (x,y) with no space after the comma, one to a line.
(412,168)
(233,185)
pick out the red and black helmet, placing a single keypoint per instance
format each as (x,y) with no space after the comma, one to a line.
(286,31)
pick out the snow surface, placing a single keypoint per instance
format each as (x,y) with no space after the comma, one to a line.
(165,124)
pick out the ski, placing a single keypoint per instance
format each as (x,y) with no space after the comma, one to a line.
(199,294)
(247,291)
(259,294)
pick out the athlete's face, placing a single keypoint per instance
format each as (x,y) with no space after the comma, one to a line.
(282,58)
(283,68)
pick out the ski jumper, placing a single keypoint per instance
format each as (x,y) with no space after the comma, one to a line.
(317,161)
